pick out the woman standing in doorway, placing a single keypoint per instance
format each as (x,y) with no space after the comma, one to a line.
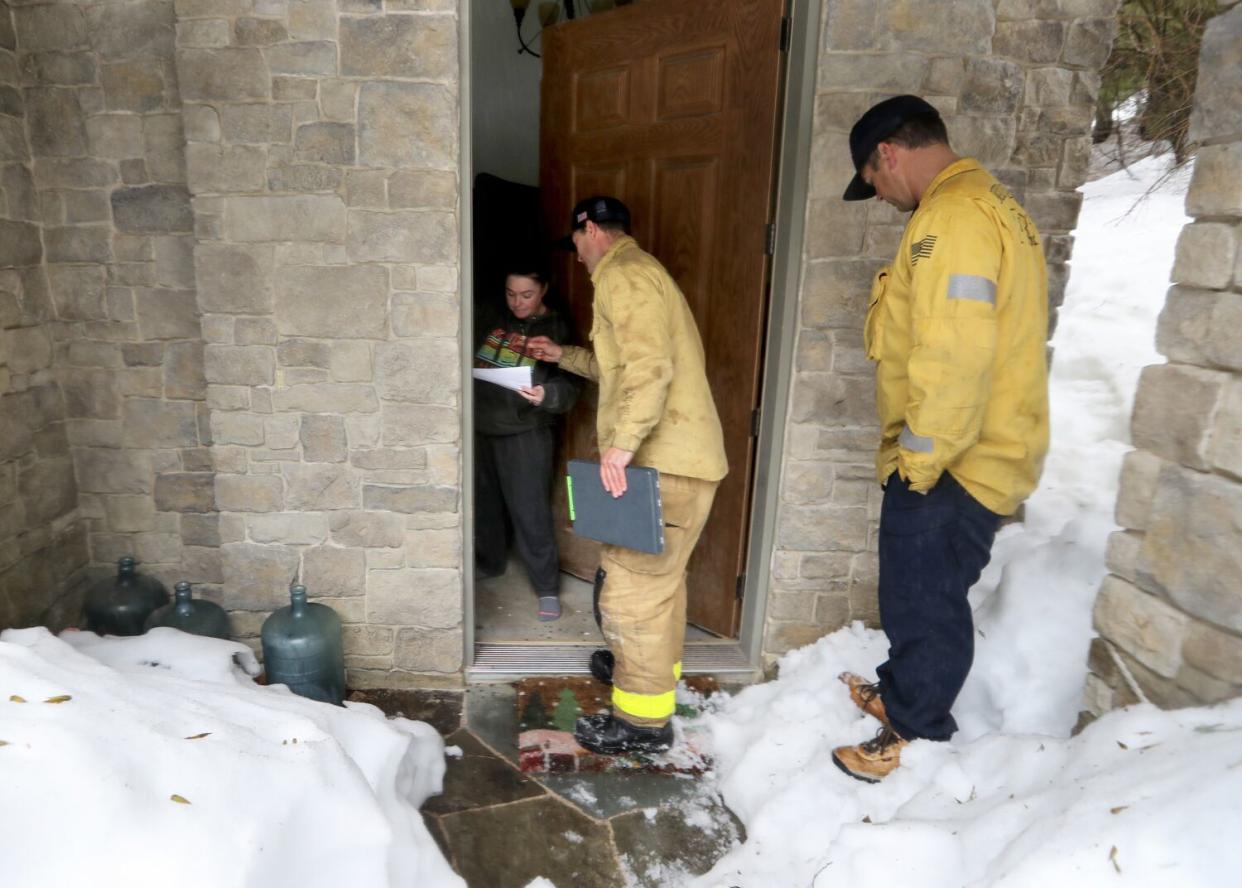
(514,440)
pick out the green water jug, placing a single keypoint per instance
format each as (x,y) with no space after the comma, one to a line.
(120,606)
(196,616)
(302,648)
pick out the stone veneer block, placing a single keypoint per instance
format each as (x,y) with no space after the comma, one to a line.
(228,74)
(1139,471)
(409,425)
(1173,412)
(222,169)
(421,650)
(412,499)
(325,143)
(1205,255)
(135,85)
(1226,452)
(19,244)
(407,125)
(413,372)
(101,470)
(152,209)
(234,278)
(429,599)
(1199,327)
(367,530)
(1191,551)
(331,570)
(322,487)
(185,492)
(290,528)
(1148,629)
(1218,91)
(47,490)
(422,47)
(1122,554)
(239,364)
(425,238)
(1216,187)
(308,57)
(337,301)
(1214,651)
(153,422)
(302,217)
(249,493)
(326,397)
(257,577)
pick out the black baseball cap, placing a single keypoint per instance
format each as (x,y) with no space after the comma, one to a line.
(877,124)
(597,209)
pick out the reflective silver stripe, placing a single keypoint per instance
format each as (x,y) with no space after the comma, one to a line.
(917,443)
(972,286)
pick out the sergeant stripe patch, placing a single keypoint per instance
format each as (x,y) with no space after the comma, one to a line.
(922,249)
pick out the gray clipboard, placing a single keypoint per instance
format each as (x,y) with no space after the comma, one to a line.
(634,520)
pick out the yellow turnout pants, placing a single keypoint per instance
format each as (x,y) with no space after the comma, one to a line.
(643,605)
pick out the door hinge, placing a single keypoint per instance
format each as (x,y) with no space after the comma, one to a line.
(786,33)
(741,586)
(754,423)
(769,245)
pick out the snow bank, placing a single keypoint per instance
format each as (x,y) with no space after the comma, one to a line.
(163,763)
(1142,797)
(1161,788)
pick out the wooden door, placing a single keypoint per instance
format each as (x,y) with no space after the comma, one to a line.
(672,108)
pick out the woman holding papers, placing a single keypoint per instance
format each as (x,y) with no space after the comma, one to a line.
(514,441)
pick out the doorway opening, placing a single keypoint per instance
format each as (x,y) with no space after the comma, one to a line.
(676,111)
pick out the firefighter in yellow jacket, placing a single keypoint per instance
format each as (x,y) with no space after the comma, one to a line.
(655,409)
(958,327)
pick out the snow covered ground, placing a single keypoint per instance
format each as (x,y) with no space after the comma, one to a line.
(156,761)
(1141,797)
(162,763)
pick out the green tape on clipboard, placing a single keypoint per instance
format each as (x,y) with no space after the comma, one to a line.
(569,483)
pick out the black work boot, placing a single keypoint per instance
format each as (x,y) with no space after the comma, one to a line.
(611,736)
(602,663)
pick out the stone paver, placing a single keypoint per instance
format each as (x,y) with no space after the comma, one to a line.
(499,827)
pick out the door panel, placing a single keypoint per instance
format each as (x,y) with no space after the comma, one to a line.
(672,108)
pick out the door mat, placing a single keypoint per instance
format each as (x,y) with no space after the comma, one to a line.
(549,706)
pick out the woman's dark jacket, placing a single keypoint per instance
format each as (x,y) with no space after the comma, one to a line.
(499,411)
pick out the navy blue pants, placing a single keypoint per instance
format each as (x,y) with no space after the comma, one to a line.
(932,549)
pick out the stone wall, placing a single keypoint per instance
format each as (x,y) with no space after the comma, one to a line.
(42,537)
(104,124)
(1169,615)
(322,157)
(1016,81)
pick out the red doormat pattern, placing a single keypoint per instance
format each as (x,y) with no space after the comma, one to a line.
(548,707)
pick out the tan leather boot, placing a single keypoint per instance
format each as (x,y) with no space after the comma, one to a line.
(873,760)
(866,695)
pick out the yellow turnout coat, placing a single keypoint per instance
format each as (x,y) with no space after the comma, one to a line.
(958,325)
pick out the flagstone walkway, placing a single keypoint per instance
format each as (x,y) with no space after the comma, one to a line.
(501,828)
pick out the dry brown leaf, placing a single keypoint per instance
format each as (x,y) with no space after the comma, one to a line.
(61,698)
(4,742)
(199,736)
(1112,858)
(1118,809)
(16,699)
(180,800)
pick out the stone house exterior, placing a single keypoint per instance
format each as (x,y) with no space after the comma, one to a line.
(233,297)
(1169,616)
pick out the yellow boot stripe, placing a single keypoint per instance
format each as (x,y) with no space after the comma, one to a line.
(644,705)
(677,671)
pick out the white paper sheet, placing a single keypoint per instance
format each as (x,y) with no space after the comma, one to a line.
(506,377)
